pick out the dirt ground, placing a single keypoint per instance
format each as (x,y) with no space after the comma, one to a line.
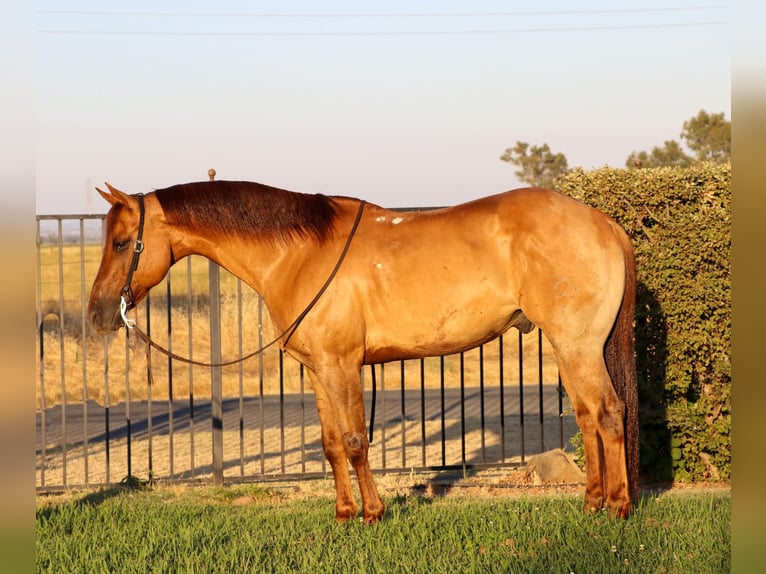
(495,483)
(503,483)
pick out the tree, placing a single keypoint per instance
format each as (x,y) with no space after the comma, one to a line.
(671,154)
(708,136)
(538,166)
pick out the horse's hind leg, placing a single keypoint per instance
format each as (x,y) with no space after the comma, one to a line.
(341,410)
(599,413)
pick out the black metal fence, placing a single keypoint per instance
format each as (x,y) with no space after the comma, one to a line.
(101,417)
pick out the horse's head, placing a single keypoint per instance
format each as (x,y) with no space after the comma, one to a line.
(136,256)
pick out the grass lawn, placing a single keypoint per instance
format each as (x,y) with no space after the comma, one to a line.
(252,528)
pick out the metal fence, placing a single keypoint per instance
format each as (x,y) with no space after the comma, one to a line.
(101,417)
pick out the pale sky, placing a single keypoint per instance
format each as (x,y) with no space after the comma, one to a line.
(400,103)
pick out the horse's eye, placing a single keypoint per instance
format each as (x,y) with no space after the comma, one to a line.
(121,245)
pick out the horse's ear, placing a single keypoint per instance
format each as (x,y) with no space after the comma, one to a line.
(115,196)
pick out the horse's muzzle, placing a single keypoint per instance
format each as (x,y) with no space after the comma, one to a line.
(104,317)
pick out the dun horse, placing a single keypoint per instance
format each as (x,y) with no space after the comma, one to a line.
(405,285)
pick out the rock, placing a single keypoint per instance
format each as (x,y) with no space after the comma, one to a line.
(554,466)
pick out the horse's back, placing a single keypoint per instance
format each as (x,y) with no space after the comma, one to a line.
(445,280)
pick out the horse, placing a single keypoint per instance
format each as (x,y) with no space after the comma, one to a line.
(405,285)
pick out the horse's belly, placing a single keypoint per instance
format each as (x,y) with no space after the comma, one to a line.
(436,327)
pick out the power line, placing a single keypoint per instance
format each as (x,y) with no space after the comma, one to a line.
(387,15)
(388,33)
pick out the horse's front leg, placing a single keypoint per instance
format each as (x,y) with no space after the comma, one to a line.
(344,436)
(334,451)
(357,447)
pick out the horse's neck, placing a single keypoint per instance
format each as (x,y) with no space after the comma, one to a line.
(251,260)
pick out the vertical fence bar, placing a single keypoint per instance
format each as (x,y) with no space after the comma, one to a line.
(61,348)
(383,419)
(261,375)
(127,404)
(40,321)
(540,388)
(481,400)
(423,412)
(442,409)
(216,379)
(149,413)
(282,410)
(521,396)
(303,417)
(560,390)
(107,400)
(190,348)
(404,416)
(462,408)
(501,368)
(84,350)
(169,320)
(107,410)
(241,375)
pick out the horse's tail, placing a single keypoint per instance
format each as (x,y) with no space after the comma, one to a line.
(621,362)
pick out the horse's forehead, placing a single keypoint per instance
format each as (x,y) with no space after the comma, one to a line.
(119,220)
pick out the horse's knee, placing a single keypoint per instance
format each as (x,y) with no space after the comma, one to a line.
(356,446)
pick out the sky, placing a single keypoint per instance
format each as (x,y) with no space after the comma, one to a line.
(404,104)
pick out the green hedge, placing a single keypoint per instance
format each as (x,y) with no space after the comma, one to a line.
(679,220)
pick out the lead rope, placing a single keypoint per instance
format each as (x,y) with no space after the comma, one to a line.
(372,406)
(130,324)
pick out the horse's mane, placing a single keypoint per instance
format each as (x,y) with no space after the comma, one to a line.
(248,210)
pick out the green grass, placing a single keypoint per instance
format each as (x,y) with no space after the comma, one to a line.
(201,530)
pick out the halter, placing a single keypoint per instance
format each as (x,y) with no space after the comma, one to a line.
(127,301)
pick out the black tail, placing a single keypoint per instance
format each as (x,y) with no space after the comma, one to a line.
(620,355)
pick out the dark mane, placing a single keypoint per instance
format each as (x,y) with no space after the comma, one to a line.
(248,209)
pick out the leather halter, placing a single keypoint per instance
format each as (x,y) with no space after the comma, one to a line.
(127,301)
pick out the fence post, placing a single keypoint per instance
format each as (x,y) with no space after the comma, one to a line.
(216,382)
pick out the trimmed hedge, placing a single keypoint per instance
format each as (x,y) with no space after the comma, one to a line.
(679,220)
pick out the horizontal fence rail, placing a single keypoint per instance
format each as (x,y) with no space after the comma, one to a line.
(101,418)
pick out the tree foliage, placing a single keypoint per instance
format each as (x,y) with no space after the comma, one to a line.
(708,137)
(538,165)
(669,155)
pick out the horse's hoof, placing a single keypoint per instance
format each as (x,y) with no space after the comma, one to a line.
(373,516)
(593,504)
(345,514)
(620,510)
